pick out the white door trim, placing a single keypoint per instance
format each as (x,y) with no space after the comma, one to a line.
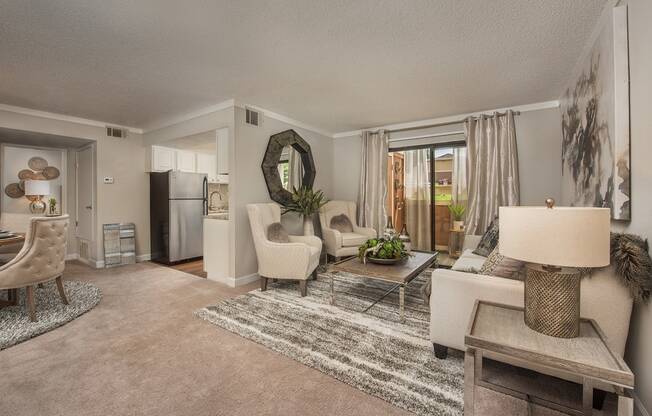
(93,192)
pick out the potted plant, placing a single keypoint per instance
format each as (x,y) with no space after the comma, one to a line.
(457,212)
(386,250)
(53,206)
(306,202)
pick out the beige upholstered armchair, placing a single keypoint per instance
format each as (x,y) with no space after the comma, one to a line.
(295,260)
(41,259)
(340,244)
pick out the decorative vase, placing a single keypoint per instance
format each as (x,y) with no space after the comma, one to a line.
(405,239)
(458,225)
(308,227)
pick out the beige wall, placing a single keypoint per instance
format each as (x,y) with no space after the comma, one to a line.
(247,184)
(539,149)
(640,68)
(124,201)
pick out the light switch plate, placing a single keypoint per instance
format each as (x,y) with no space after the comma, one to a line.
(108,179)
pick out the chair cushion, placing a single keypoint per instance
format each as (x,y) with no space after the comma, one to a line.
(353,239)
(277,234)
(469,262)
(501,266)
(489,240)
(341,223)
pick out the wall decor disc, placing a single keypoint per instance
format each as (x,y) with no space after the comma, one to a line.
(13,191)
(37,163)
(26,174)
(51,172)
(21,185)
(39,176)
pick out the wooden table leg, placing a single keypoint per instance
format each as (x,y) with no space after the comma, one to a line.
(469,381)
(587,397)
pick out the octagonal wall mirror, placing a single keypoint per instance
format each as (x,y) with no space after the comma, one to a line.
(287,163)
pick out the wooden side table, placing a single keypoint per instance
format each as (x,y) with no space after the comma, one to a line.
(455,243)
(511,369)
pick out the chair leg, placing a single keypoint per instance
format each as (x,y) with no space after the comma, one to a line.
(303,287)
(31,306)
(314,274)
(263,283)
(441,351)
(62,291)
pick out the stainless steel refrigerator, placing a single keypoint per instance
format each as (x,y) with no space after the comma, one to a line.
(178,203)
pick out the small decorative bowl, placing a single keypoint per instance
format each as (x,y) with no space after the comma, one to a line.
(387,262)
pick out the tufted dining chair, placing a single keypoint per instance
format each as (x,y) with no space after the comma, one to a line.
(41,259)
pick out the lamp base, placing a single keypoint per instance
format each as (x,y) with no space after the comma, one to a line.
(552,301)
(37,206)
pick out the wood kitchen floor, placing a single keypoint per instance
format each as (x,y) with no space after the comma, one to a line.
(194,267)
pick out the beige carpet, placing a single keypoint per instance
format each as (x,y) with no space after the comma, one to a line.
(142,352)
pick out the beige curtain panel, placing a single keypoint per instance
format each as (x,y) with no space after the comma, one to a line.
(373,181)
(418,213)
(492,168)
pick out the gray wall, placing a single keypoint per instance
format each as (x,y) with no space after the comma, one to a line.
(538,136)
(640,67)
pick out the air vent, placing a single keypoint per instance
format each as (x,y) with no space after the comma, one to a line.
(253,117)
(116,132)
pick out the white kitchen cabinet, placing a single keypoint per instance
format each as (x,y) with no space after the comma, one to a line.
(223,154)
(207,163)
(186,161)
(163,159)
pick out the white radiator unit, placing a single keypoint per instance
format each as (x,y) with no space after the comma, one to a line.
(253,117)
(117,132)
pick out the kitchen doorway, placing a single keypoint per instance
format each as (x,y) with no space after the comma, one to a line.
(85,200)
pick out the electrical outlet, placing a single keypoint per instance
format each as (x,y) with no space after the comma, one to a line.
(108,179)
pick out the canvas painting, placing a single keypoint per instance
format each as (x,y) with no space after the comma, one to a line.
(595,123)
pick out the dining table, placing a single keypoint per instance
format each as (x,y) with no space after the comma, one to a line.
(12,294)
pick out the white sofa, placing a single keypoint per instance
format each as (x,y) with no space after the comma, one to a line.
(296,260)
(454,293)
(342,244)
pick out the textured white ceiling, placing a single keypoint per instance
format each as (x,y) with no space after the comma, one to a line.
(336,64)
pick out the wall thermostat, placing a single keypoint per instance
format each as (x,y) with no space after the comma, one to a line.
(108,179)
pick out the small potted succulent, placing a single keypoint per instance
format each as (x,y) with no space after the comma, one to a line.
(457,212)
(383,251)
(52,202)
(306,202)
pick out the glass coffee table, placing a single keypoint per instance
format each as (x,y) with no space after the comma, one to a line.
(400,275)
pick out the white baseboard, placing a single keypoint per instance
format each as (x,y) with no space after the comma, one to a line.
(638,406)
(143,257)
(99,264)
(235,281)
(72,256)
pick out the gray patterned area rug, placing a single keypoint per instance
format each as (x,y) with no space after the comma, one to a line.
(15,326)
(372,351)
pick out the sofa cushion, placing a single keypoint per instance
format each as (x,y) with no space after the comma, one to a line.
(469,262)
(341,223)
(353,239)
(489,240)
(277,234)
(501,266)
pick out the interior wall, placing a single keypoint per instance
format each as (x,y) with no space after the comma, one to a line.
(640,68)
(247,184)
(539,149)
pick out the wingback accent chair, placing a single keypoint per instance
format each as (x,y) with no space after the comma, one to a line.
(342,244)
(296,260)
(41,259)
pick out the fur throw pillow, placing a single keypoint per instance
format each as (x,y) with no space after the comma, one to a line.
(631,260)
(501,266)
(341,223)
(489,240)
(277,234)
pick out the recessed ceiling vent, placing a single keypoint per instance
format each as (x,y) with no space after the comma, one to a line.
(253,117)
(116,132)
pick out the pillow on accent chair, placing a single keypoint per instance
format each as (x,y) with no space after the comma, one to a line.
(277,234)
(489,240)
(341,223)
(501,266)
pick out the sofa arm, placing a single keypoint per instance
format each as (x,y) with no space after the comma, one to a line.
(369,232)
(453,296)
(311,240)
(283,260)
(332,238)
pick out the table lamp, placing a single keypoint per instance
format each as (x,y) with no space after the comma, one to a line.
(554,241)
(35,190)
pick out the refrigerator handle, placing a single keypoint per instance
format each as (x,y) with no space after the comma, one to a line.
(205,192)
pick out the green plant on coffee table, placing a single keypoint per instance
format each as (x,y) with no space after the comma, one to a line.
(305,201)
(457,211)
(383,248)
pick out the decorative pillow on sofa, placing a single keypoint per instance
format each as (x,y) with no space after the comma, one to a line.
(501,266)
(489,240)
(277,234)
(341,223)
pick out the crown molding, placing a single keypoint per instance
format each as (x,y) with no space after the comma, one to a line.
(284,119)
(171,121)
(62,117)
(451,119)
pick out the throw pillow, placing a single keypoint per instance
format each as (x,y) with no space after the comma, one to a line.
(489,240)
(501,266)
(341,223)
(277,234)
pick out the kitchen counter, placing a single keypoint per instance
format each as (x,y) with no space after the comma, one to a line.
(224,216)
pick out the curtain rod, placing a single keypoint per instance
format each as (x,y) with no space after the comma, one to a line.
(447,123)
(426,136)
